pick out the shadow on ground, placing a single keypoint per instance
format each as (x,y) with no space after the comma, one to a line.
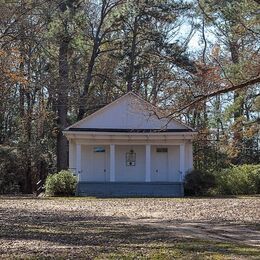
(69,234)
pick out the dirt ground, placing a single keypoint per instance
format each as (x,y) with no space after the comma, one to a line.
(133,228)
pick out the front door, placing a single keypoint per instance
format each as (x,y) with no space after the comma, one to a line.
(99,164)
(160,167)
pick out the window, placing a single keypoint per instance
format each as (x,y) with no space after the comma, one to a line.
(162,150)
(99,149)
(130,158)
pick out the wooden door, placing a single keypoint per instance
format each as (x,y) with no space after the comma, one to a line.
(99,164)
(160,169)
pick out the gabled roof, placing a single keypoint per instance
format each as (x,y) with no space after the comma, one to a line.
(129,113)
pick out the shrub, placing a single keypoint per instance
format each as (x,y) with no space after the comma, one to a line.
(11,175)
(199,183)
(62,183)
(239,180)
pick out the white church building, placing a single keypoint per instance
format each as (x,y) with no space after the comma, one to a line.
(128,149)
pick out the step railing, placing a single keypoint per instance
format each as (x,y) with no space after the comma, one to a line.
(78,175)
(75,173)
(39,187)
(181,176)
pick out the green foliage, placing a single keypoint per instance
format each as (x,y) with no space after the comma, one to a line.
(11,176)
(239,180)
(62,183)
(140,44)
(208,156)
(236,180)
(199,183)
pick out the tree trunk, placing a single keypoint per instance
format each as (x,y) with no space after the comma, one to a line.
(62,103)
(132,58)
(235,59)
(239,107)
(87,81)
(106,8)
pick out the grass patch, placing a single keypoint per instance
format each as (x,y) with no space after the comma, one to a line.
(193,249)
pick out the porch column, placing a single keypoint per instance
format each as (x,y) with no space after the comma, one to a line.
(182,161)
(72,164)
(112,163)
(78,161)
(148,163)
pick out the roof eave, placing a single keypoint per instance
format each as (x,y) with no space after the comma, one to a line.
(78,133)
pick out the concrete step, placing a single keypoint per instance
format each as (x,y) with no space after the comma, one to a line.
(130,189)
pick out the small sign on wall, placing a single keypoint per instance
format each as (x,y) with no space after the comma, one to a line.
(99,149)
(130,158)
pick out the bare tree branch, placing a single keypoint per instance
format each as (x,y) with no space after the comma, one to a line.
(217,92)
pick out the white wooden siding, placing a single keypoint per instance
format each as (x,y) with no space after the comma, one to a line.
(128,112)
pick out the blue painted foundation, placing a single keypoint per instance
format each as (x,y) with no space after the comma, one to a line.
(130,189)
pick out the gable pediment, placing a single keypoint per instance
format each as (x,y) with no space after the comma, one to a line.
(130,112)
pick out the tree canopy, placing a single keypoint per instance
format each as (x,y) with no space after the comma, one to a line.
(61,60)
